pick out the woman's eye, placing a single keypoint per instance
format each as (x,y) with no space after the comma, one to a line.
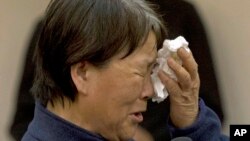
(154,67)
(140,74)
(151,72)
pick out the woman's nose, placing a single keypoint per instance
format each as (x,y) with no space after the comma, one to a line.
(148,89)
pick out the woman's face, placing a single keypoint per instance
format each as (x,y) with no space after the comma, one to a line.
(120,92)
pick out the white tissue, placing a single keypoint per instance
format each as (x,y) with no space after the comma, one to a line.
(169,48)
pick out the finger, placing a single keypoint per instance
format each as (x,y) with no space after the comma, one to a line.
(188,62)
(181,73)
(171,85)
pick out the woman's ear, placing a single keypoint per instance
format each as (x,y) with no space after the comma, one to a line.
(79,76)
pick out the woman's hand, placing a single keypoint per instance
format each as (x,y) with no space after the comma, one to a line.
(183,93)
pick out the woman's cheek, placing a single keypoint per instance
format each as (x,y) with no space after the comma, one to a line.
(138,85)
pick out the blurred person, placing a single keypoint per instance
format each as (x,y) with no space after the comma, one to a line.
(93,81)
(25,103)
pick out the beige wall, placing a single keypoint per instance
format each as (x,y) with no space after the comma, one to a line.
(16,20)
(227,23)
(228,26)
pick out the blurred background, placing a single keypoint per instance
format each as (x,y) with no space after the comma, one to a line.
(227,23)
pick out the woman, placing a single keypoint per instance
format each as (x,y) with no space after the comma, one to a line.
(93,65)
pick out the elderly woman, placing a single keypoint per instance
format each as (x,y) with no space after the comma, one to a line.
(93,65)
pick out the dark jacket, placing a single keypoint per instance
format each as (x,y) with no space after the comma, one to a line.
(47,126)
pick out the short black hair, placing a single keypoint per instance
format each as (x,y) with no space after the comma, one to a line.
(90,30)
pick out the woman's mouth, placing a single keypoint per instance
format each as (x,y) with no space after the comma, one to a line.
(137,117)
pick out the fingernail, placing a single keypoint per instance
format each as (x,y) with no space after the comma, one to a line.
(182,49)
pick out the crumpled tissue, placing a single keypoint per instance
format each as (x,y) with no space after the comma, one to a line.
(169,48)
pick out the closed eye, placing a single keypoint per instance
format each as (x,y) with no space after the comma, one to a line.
(153,66)
(140,74)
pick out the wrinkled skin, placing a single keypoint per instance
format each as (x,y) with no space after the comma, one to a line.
(184,93)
